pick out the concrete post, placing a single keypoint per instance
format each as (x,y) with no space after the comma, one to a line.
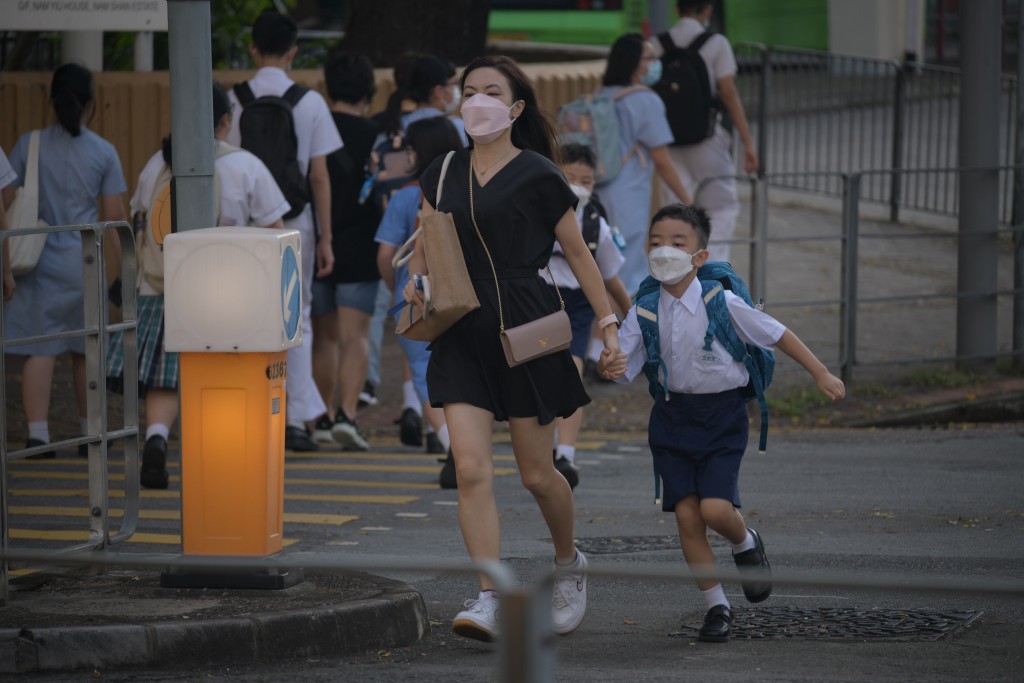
(979,186)
(660,15)
(191,77)
(143,60)
(83,47)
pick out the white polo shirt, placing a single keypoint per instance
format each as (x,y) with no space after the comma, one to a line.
(7,174)
(682,323)
(314,128)
(716,52)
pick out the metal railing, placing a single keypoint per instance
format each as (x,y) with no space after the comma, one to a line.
(815,114)
(848,296)
(95,333)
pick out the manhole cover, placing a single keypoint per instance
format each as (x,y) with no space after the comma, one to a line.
(615,545)
(842,623)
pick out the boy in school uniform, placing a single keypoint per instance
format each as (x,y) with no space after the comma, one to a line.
(698,433)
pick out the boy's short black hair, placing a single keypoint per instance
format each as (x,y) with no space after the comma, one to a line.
(685,6)
(694,215)
(274,33)
(349,77)
(574,152)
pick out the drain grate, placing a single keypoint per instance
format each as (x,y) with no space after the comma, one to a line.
(618,545)
(767,623)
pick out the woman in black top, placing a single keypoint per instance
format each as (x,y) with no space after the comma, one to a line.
(522,204)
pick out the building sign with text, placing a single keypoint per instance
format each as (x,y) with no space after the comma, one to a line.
(83,15)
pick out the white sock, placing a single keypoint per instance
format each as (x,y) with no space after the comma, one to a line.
(83,424)
(747,544)
(573,563)
(157,429)
(714,596)
(428,429)
(569,452)
(594,349)
(39,431)
(410,399)
(442,436)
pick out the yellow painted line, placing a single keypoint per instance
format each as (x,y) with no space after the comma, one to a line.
(174,515)
(112,493)
(156,539)
(327,497)
(304,467)
(359,484)
(370,455)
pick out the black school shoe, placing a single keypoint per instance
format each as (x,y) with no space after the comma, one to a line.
(567,469)
(447,479)
(434,446)
(298,439)
(32,443)
(410,428)
(717,625)
(755,562)
(153,473)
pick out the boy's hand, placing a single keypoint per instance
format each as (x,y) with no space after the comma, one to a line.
(611,364)
(831,386)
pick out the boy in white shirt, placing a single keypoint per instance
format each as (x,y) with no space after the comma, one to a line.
(699,432)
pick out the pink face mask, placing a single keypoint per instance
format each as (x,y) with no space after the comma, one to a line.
(485,117)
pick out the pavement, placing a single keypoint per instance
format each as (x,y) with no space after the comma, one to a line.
(80,619)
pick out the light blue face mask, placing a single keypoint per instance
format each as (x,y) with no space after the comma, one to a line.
(653,74)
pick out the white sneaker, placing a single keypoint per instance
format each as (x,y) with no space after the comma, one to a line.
(348,435)
(570,598)
(479,620)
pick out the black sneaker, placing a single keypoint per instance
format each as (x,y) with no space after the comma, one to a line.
(322,430)
(447,478)
(368,396)
(153,474)
(434,446)
(568,470)
(755,563)
(410,428)
(32,443)
(297,439)
(347,434)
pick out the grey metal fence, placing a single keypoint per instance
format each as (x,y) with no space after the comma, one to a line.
(95,333)
(817,112)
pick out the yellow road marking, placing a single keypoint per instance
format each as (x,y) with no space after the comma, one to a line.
(336,498)
(174,515)
(157,539)
(327,497)
(331,467)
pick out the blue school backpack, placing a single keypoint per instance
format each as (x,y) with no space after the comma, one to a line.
(715,277)
(591,120)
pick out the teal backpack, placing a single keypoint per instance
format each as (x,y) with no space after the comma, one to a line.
(715,277)
(591,120)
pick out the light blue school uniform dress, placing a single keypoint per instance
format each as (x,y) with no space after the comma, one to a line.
(627,197)
(74,172)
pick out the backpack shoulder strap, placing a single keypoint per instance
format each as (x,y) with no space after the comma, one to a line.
(244,93)
(667,44)
(294,93)
(699,41)
(629,90)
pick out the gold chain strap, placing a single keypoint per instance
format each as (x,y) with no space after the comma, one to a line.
(497,288)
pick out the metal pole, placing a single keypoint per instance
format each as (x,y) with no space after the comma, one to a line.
(1018,202)
(977,260)
(762,114)
(658,16)
(143,51)
(527,651)
(191,76)
(899,109)
(759,238)
(848,280)
(95,379)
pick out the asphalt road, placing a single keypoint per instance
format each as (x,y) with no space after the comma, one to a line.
(936,503)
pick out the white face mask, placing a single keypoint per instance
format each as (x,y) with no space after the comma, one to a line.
(453,106)
(582,193)
(669,265)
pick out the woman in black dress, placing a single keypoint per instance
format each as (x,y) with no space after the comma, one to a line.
(521,204)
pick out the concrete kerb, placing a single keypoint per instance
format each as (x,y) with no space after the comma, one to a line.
(396,617)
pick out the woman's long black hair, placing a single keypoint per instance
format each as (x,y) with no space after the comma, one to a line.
(624,60)
(71,91)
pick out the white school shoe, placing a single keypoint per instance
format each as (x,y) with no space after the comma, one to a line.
(570,597)
(480,619)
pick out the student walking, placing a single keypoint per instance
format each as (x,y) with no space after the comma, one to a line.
(711,159)
(698,425)
(580,168)
(644,138)
(78,172)
(273,50)
(7,179)
(509,203)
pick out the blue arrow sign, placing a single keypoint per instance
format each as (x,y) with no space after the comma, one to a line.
(291,293)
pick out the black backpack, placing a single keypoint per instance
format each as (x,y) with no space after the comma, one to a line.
(268,131)
(685,88)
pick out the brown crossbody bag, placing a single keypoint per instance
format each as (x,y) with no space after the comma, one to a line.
(540,337)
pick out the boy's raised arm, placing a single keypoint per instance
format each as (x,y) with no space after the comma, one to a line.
(828,384)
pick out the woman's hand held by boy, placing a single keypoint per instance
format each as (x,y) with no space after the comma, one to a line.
(612,363)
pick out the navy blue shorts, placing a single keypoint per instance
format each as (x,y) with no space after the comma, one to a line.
(581,319)
(698,441)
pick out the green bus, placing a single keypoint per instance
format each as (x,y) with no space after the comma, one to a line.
(794,23)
